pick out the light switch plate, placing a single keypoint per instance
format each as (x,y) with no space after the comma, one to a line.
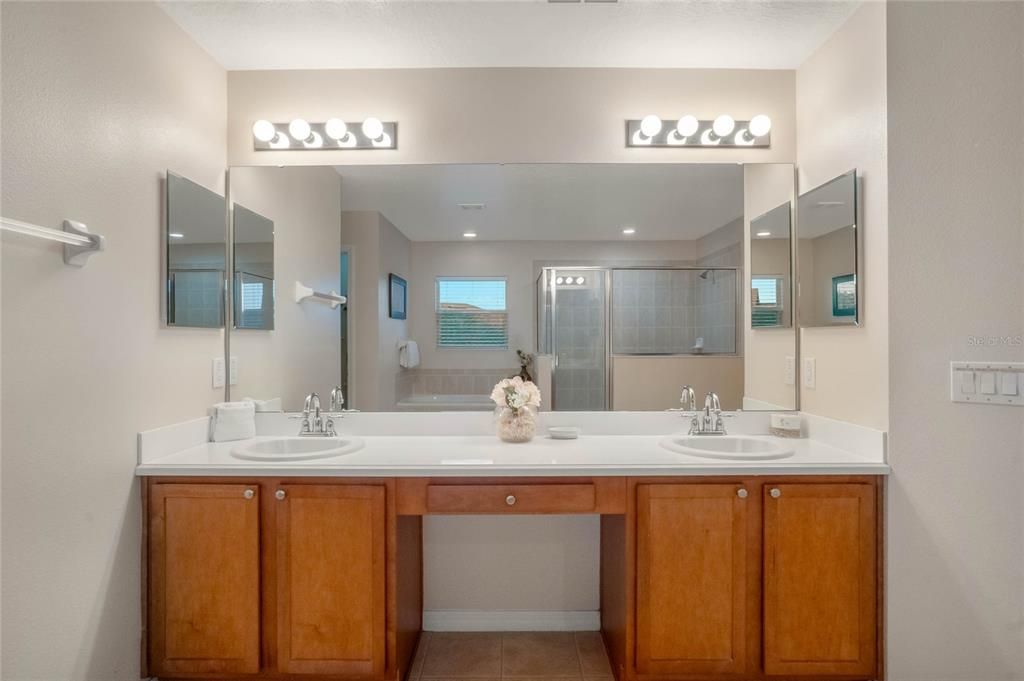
(233,370)
(810,373)
(218,372)
(987,382)
(790,375)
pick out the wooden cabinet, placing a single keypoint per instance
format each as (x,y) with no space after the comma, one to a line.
(330,572)
(694,598)
(204,579)
(820,579)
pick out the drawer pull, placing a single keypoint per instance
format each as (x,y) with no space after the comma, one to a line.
(510,500)
(248,494)
(776,492)
(741,493)
(279,494)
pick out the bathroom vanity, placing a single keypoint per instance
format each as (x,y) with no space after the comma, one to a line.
(710,569)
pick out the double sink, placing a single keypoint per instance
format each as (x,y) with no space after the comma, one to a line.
(722,447)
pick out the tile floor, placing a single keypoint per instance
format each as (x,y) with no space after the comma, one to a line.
(561,656)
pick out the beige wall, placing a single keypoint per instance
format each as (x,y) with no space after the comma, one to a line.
(956,519)
(99,100)
(654,383)
(301,354)
(510,115)
(841,109)
(395,256)
(766,186)
(360,235)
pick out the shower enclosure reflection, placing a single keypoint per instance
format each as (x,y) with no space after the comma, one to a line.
(596,321)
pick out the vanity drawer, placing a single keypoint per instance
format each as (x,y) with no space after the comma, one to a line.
(512,498)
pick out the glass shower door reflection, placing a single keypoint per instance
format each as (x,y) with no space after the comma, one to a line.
(575,325)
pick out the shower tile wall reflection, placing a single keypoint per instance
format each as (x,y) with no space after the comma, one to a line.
(673,312)
(578,322)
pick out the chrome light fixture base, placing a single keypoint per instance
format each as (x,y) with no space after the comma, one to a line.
(319,140)
(704,137)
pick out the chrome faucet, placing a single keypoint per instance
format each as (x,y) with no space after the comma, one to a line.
(709,422)
(337,400)
(688,396)
(314,424)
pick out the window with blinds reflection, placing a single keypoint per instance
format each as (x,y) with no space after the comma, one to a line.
(471,312)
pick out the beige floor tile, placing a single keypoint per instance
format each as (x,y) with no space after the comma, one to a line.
(593,658)
(416,667)
(539,654)
(463,656)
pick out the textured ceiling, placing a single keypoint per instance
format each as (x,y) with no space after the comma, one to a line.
(543,202)
(359,34)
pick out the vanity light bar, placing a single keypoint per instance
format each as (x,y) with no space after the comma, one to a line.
(689,131)
(331,135)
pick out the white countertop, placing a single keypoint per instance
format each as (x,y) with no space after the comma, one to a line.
(475,454)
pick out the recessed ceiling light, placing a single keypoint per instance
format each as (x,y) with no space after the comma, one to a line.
(469,235)
(764,234)
(176,235)
(629,230)
(472,206)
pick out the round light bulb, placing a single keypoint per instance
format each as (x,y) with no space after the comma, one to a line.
(650,125)
(760,125)
(687,125)
(299,129)
(373,128)
(263,130)
(580,280)
(724,125)
(336,128)
(559,280)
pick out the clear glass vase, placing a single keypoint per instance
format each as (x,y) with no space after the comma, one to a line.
(516,425)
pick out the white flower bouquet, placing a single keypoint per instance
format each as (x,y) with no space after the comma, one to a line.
(516,401)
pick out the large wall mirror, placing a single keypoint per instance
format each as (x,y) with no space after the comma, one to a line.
(611,285)
(827,249)
(196,254)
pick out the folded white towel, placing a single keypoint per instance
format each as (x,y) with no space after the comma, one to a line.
(232,421)
(271,405)
(409,354)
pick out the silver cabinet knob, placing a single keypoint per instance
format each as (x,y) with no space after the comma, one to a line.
(776,492)
(248,494)
(741,493)
(279,494)
(510,500)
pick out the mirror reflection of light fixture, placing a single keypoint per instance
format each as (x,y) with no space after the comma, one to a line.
(559,280)
(580,280)
(763,234)
(176,235)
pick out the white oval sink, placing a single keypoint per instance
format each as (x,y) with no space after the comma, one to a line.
(296,448)
(735,447)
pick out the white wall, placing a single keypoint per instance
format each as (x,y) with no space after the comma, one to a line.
(360,235)
(300,355)
(840,112)
(956,519)
(98,101)
(514,115)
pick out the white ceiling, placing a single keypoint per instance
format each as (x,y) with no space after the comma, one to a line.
(351,34)
(560,202)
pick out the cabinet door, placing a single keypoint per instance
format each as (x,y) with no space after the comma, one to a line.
(693,596)
(331,579)
(820,579)
(204,579)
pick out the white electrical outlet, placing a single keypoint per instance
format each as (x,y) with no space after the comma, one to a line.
(218,372)
(810,373)
(790,371)
(233,370)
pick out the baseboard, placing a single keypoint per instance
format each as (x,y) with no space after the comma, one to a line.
(511,620)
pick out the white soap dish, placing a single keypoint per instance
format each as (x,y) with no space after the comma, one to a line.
(563,432)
